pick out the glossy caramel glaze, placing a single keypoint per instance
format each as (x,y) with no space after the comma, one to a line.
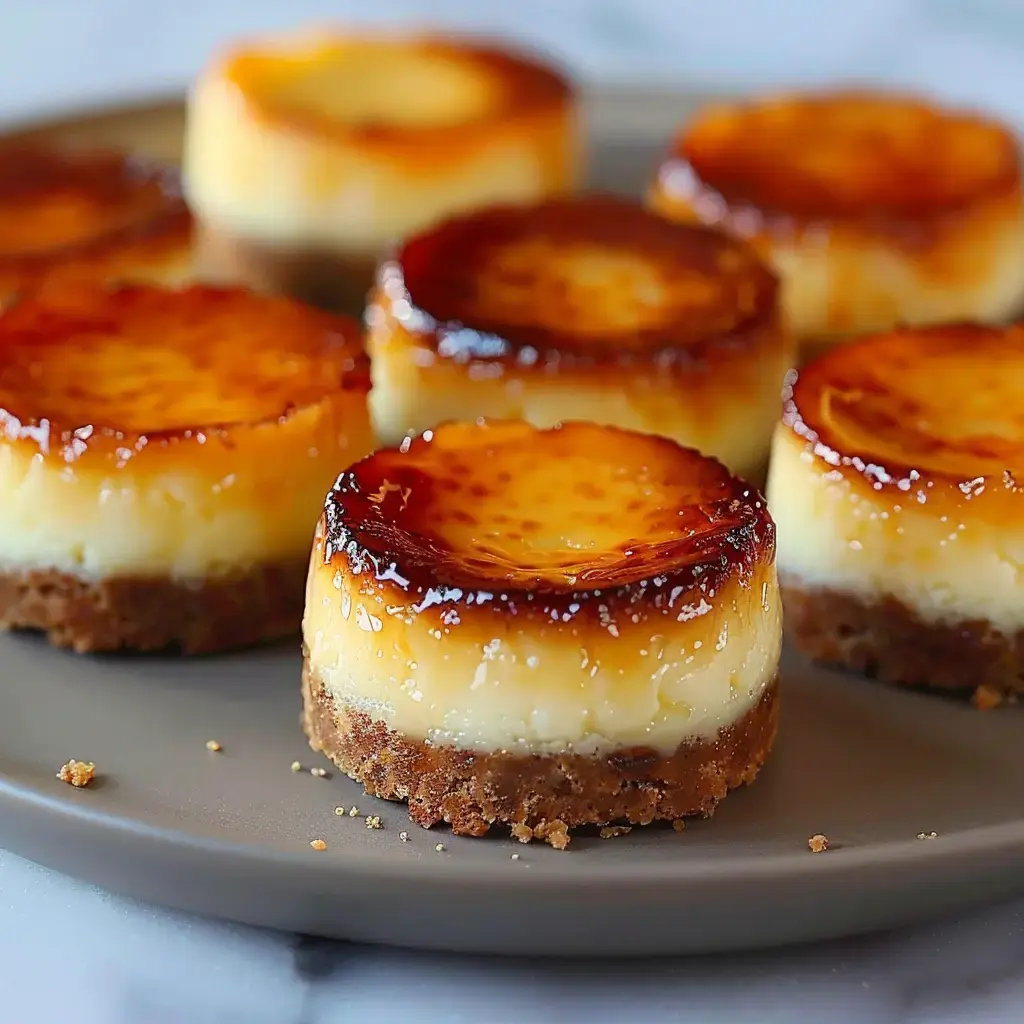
(928,406)
(574,520)
(91,372)
(592,281)
(893,162)
(95,214)
(306,84)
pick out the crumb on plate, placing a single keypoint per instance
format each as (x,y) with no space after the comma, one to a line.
(927,835)
(296,767)
(373,821)
(818,843)
(318,844)
(404,836)
(439,847)
(319,773)
(987,697)
(213,746)
(353,812)
(611,831)
(77,773)
(679,824)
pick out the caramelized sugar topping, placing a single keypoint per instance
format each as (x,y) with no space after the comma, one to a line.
(849,155)
(941,400)
(56,203)
(594,277)
(147,361)
(374,87)
(501,505)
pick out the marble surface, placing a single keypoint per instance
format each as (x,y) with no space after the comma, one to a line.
(71,952)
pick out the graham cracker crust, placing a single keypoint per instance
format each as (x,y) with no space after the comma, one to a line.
(329,280)
(153,614)
(541,795)
(887,641)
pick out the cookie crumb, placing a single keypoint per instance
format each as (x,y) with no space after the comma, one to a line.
(296,767)
(439,847)
(554,833)
(987,697)
(213,746)
(679,824)
(514,856)
(373,821)
(353,812)
(77,773)
(522,832)
(611,831)
(339,811)
(818,843)
(318,844)
(404,836)
(318,773)
(927,835)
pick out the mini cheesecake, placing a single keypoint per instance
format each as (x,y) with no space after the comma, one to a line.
(89,215)
(307,156)
(543,629)
(895,484)
(163,460)
(581,308)
(876,210)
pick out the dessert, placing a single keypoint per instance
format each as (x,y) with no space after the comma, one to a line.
(542,629)
(307,156)
(589,308)
(895,486)
(877,210)
(93,215)
(163,455)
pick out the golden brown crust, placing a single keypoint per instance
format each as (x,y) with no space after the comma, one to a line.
(886,640)
(892,410)
(516,284)
(154,614)
(472,791)
(448,513)
(331,280)
(95,215)
(892,163)
(524,88)
(138,366)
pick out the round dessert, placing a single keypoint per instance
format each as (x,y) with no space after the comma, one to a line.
(163,457)
(306,156)
(543,629)
(876,210)
(894,484)
(90,215)
(591,309)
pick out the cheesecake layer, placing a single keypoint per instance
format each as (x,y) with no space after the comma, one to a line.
(586,309)
(336,143)
(875,209)
(147,433)
(493,587)
(89,215)
(894,474)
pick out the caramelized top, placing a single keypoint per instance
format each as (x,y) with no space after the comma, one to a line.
(937,402)
(499,507)
(423,90)
(595,279)
(844,156)
(61,206)
(139,363)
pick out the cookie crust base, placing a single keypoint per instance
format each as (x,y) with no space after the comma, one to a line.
(545,795)
(154,614)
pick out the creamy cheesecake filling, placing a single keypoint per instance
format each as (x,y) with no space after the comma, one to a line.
(588,690)
(946,560)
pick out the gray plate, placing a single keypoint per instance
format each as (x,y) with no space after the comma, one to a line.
(228,834)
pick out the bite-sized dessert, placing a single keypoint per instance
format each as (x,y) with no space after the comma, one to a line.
(93,215)
(543,629)
(896,486)
(589,308)
(876,209)
(308,155)
(163,458)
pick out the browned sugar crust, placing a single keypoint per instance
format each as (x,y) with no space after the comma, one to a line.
(331,280)
(153,614)
(473,791)
(887,641)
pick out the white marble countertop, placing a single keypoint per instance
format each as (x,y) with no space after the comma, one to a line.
(71,952)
